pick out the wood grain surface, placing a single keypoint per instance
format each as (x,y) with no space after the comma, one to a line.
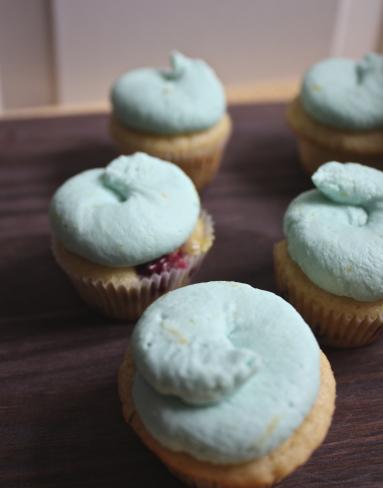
(60,419)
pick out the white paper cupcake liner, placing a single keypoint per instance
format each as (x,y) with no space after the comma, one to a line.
(128,302)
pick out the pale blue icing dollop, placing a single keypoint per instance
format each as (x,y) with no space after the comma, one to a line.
(135,210)
(335,233)
(187,98)
(344,93)
(225,372)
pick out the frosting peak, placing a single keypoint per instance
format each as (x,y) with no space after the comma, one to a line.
(135,210)
(344,93)
(369,65)
(199,364)
(187,98)
(179,64)
(349,183)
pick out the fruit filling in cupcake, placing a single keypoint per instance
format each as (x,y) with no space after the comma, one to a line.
(165,263)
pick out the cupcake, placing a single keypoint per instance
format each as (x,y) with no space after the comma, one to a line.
(339,112)
(226,384)
(128,233)
(331,264)
(178,115)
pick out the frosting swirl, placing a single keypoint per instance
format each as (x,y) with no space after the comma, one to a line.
(344,93)
(225,372)
(135,210)
(187,98)
(335,233)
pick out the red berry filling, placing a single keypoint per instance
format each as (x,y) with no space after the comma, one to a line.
(170,261)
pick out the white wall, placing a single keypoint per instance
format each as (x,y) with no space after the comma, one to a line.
(245,40)
(358,27)
(27,77)
(69,51)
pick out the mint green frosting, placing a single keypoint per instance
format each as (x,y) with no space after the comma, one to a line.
(187,98)
(135,210)
(344,93)
(335,233)
(225,372)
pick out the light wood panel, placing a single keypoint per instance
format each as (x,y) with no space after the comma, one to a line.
(268,91)
(27,77)
(358,27)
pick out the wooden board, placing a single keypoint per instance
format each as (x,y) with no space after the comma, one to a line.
(60,419)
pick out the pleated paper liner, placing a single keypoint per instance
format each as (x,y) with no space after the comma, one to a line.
(126,298)
(198,155)
(260,473)
(337,321)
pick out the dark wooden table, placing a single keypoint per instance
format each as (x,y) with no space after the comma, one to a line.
(60,419)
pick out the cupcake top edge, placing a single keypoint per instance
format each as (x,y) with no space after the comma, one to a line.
(225,372)
(131,212)
(335,232)
(186,98)
(344,93)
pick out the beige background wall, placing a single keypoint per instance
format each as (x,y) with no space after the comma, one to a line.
(245,40)
(67,52)
(26,68)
